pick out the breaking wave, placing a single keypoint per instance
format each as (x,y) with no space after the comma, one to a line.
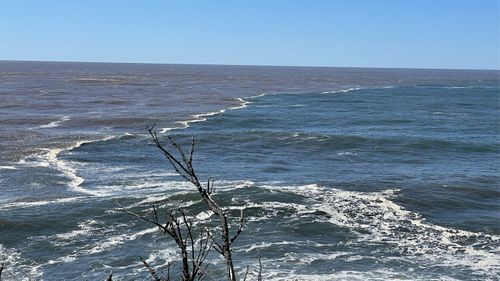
(55,123)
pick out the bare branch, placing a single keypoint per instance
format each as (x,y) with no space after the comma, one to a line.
(205,244)
(175,163)
(204,274)
(184,167)
(174,229)
(181,152)
(259,276)
(240,227)
(209,191)
(151,270)
(155,213)
(245,275)
(168,271)
(189,238)
(216,245)
(165,228)
(191,152)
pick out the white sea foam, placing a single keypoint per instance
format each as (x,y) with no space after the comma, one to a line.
(297,105)
(103,245)
(263,245)
(373,217)
(226,185)
(49,157)
(204,215)
(269,273)
(29,204)
(88,228)
(195,119)
(116,240)
(260,95)
(146,188)
(347,153)
(55,123)
(166,129)
(357,88)
(202,117)
(161,191)
(63,259)
(160,258)
(376,219)
(342,91)
(7,168)
(16,267)
(470,87)
(85,229)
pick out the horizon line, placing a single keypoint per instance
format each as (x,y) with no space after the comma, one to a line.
(249,65)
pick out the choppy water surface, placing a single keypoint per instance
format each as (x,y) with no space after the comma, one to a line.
(352,174)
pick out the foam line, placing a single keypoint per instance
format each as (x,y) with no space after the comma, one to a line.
(54,124)
(202,117)
(24,204)
(343,91)
(50,158)
(7,168)
(102,246)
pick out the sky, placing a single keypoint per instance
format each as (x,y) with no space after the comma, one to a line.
(341,33)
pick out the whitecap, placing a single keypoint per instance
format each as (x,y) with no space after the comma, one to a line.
(342,91)
(29,204)
(7,168)
(202,117)
(257,96)
(49,157)
(85,228)
(297,105)
(17,267)
(106,244)
(347,153)
(204,215)
(116,240)
(55,123)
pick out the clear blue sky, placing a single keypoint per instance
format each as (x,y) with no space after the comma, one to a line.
(371,33)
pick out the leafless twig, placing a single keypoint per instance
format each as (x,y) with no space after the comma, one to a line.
(194,249)
(246,273)
(152,271)
(259,276)
(2,267)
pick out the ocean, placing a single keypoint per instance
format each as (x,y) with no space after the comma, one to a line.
(342,173)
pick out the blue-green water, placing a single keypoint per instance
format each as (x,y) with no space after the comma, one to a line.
(383,182)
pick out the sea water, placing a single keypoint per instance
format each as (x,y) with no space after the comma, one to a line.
(341,173)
